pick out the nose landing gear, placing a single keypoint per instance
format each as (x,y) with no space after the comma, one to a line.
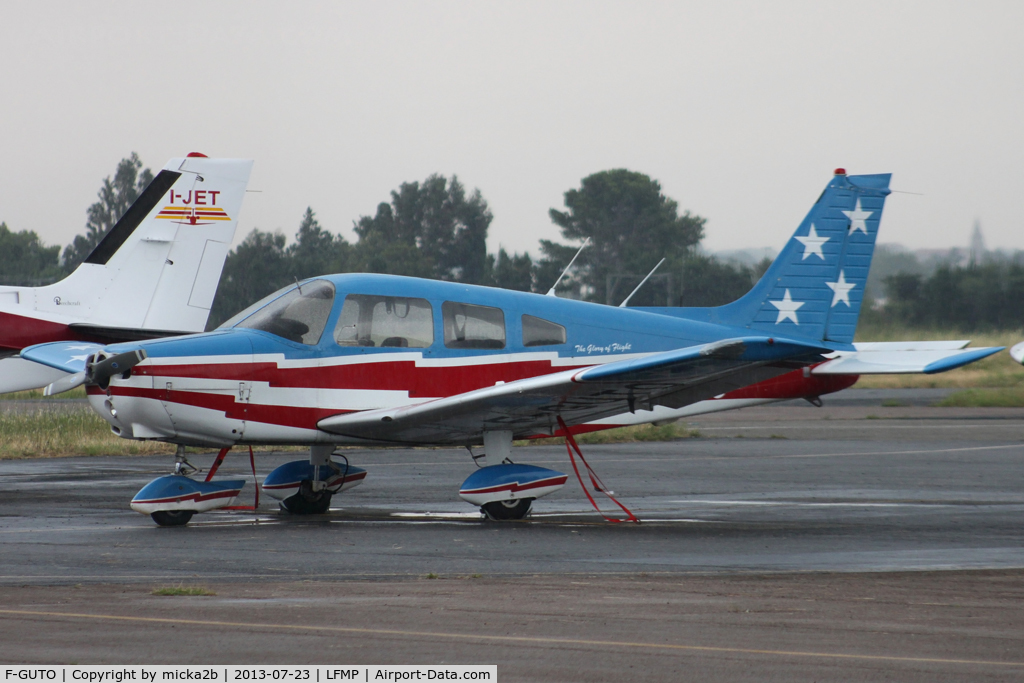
(174,499)
(172,517)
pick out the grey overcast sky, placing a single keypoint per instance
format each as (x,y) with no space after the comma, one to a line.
(740,109)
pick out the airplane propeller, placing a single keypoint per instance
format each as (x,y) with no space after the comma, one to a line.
(98,371)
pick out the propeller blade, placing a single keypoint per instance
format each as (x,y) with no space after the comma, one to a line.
(65,384)
(101,372)
(1017,352)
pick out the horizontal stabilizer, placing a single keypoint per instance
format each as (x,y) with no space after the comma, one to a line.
(18,374)
(887,362)
(69,356)
(950,345)
(114,335)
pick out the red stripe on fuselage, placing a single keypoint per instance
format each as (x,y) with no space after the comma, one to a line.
(285,416)
(405,376)
(420,381)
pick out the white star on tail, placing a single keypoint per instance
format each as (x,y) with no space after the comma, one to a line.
(857,218)
(841,289)
(812,244)
(787,308)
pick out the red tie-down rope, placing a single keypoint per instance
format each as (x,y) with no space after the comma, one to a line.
(594,479)
(252,461)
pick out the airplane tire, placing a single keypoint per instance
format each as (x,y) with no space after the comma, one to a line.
(502,510)
(172,517)
(305,502)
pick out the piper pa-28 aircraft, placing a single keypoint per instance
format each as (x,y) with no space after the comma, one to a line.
(385,360)
(153,275)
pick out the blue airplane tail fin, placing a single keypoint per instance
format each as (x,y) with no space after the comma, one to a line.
(815,286)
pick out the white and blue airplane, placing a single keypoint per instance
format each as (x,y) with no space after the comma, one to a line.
(153,275)
(385,360)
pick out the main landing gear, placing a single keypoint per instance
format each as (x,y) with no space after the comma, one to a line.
(306,487)
(506,491)
(502,510)
(308,501)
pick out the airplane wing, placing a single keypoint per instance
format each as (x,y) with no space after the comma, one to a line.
(532,406)
(885,358)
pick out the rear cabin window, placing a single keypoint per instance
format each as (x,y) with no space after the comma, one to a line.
(540,332)
(387,321)
(467,326)
(299,316)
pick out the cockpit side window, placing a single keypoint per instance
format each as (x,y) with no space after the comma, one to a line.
(467,326)
(387,321)
(298,316)
(540,332)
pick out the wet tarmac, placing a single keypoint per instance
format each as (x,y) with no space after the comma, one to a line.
(903,504)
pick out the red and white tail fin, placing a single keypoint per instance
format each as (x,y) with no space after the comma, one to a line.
(159,266)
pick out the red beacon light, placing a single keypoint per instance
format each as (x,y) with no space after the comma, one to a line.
(839,171)
(198,154)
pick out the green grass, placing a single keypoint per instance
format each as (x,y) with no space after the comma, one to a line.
(998,397)
(998,370)
(631,434)
(35,394)
(182,590)
(53,433)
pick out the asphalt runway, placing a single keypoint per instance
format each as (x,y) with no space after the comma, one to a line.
(868,543)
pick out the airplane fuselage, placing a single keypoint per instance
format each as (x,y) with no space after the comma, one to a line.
(364,342)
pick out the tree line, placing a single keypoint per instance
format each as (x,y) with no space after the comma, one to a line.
(436,228)
(974,297)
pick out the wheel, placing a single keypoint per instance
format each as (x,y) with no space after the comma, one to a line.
(507,509)
(172,517)
(307,502)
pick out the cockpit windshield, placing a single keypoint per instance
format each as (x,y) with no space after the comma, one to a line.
(299,315)
(252,308)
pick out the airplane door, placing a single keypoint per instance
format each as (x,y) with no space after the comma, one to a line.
(209,403)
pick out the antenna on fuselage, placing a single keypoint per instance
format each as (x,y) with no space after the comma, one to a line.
(623,304)
(551,292)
